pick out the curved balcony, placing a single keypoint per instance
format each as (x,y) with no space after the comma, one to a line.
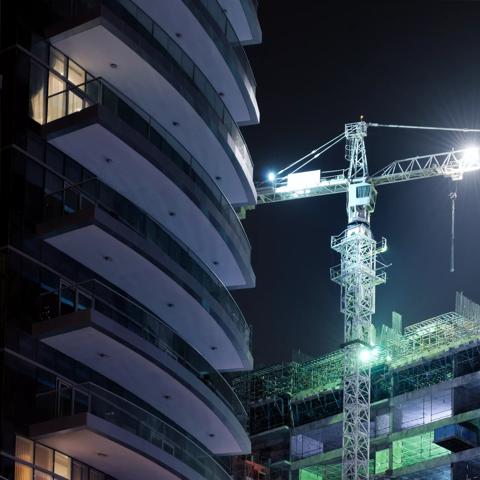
(101,229)
(115,336)
(164,179)
(244,19)
(203,30)
(150,68)
(118,437)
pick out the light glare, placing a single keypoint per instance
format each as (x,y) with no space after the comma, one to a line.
(365,355)
(471,158)
(271,176)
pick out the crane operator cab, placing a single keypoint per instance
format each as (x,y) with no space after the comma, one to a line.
(361,202)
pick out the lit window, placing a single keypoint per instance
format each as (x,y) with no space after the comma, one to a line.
(24,449)
(42,476)
(22,472)
(43,457)
(62,465)
(76,74)
(58,61)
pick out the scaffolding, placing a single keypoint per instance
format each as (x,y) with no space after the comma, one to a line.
(417,352)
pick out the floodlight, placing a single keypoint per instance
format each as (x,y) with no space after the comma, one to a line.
(365,355)
(271,176)
(470,159)
(369,354)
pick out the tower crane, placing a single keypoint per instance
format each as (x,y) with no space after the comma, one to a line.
(360,269)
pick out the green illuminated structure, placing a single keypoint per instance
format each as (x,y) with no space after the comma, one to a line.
(424,379)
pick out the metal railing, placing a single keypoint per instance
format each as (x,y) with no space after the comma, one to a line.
(67,400)
(219,16)
(93,192)
(93,294)
(130,12)
(98,91)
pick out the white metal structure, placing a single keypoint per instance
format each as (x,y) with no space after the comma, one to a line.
(360,271)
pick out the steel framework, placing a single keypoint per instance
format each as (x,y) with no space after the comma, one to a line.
(359,271)
(358,276)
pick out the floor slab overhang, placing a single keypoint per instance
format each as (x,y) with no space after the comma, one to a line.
(121,157)
(115,252)
(119,354)
(222,61)
(110,448)
(147,78)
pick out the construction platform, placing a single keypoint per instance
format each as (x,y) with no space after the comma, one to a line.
(425,410)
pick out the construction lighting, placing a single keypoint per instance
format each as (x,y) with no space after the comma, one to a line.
(470,159)
(271,177)
(367,355)
(364,355)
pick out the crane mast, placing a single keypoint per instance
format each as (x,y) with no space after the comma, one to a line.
(360,271)
(358,277)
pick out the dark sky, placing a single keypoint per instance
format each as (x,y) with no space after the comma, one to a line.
(322,64)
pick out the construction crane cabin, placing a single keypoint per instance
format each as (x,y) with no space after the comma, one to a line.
(360,269)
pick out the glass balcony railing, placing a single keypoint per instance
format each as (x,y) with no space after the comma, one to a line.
(218,14)
(134,15)
(74,198)
(68,99)
(93,294)
(67,400)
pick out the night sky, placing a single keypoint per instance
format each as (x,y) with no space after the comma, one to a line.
(323,64)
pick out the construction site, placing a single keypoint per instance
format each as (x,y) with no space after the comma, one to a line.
(398,403)
(425,405)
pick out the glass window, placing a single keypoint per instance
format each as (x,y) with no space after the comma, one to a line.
(73,170)
(56,106)
(44,457)
(22,472)
(38,81)
(363,191)
(96,475)
(62,465)
(75,102)
(24,449)
(34,174)
(42,476)
(55,84)
(79,471)
(58,61)
(76,74)
(54,159)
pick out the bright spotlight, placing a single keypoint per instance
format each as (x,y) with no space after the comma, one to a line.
(271,176)
(471,159)
(365,355)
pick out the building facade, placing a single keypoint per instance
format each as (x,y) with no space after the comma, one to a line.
(425,411)
(122,169)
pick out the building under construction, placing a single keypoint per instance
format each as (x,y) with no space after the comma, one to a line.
(425,405)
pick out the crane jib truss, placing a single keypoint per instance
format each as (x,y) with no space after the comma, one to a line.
(360,271)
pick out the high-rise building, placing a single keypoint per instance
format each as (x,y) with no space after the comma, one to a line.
(425,405)
(122,168)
